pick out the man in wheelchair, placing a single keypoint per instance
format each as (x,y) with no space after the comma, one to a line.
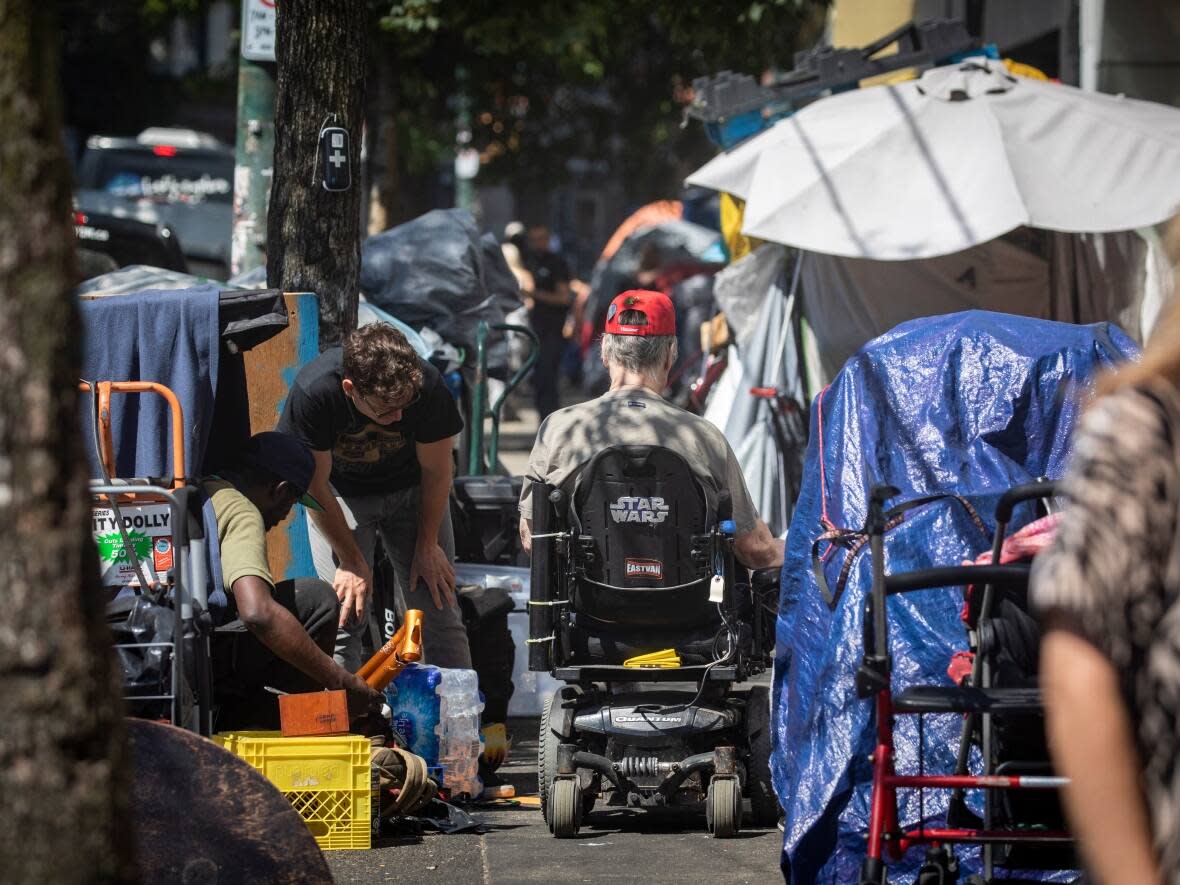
(639,350)
(637,516)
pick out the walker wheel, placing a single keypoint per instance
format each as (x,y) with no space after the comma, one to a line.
(723,807)
(565,807)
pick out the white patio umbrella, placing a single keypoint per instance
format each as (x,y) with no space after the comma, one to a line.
(956,158)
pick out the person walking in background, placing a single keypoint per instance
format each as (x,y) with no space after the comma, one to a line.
(551,303)
(1108,594)
(515,262)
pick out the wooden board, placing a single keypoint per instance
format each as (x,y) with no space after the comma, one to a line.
(271,368)
(313,713)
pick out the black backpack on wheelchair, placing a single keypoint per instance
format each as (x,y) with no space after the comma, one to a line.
(634,559)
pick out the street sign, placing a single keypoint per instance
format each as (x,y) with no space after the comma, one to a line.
(258,30)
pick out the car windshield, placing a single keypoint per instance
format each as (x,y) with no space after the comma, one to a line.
(137,174)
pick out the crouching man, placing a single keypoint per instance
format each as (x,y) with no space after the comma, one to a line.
(273,635)
(639,350)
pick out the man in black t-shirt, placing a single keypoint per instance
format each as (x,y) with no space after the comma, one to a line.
(380,422)
(551,303)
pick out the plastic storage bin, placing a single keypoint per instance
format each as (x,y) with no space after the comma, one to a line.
(328,780)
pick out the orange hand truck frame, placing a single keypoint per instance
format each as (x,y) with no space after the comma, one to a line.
(184,585)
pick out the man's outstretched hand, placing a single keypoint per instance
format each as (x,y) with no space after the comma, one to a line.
(434,568)
(353,585)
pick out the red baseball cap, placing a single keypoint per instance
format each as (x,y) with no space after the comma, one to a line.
(656,306)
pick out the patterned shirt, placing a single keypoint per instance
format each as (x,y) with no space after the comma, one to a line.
(1114,573)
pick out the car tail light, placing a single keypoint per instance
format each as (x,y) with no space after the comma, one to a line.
(164,150)
(79,218)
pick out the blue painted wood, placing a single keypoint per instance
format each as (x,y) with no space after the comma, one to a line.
(307,348)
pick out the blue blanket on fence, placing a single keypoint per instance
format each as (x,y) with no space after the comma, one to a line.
(166,336)
(970,403)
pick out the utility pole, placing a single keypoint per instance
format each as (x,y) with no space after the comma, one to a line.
(255,146)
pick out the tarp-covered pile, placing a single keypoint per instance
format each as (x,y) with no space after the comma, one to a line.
(436,271)
(970,403)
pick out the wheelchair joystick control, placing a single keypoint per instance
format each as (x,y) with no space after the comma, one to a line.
(728,527)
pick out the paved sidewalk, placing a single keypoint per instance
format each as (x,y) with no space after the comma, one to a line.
(613,846)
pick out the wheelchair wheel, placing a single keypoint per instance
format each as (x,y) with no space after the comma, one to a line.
(764,805)
(723,807)
(565,807)
(546,755)
(547,761)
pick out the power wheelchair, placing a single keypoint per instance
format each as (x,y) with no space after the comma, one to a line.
(632,557)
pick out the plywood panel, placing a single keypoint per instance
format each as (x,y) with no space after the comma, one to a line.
(270,370)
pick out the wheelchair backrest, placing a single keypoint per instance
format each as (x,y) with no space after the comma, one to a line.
(639,517)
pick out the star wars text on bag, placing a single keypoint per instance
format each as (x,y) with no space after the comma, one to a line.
(652,511)
(149,531)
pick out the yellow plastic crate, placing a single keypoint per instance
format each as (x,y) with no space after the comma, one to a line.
(328,780)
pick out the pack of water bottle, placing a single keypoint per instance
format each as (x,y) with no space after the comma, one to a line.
(436,712)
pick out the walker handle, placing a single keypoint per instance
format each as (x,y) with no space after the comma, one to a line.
(1029,491)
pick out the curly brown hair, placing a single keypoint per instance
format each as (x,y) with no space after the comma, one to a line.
(380,362)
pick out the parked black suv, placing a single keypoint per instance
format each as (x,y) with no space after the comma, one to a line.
(128,241)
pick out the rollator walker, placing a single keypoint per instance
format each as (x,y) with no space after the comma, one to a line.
(1021,827)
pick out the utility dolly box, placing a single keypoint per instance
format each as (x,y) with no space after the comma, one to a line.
(328,780)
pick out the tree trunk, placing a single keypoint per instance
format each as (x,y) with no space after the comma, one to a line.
(63,785)
(384,155)
(313,235)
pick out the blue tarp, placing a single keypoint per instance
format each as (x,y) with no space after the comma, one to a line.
(970,403)
(165,336)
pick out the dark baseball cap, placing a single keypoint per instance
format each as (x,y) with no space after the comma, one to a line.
(286,457)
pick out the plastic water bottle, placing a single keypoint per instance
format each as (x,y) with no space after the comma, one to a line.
(436,712)
(459,745)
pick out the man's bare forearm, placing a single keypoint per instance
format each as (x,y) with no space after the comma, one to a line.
(526,534)
(759,548)
(438,473)
(280,631)
(332,524)
(1092,743)
(436,491)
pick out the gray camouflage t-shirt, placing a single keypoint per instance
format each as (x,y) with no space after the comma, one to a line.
(635,416)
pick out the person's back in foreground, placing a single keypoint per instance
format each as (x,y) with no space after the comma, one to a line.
(1108,591)
(639,350)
